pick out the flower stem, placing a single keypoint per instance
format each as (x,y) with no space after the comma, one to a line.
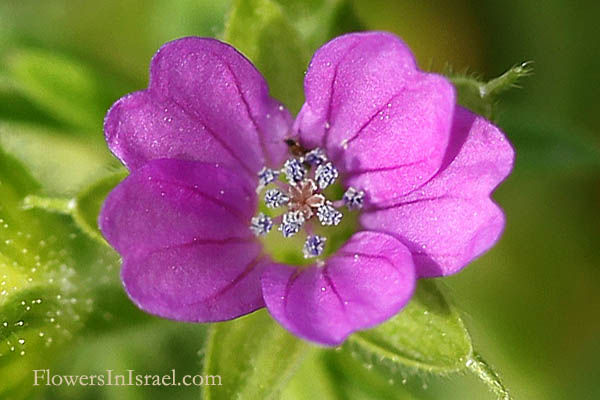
(483,371)
(53,204)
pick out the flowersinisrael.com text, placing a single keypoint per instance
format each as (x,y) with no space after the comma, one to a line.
(129,378)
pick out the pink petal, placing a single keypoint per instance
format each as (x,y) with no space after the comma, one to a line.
(205,102)
(182,228)
(384,122)
(366,282)
(451,219)
(346,77)
(199,283)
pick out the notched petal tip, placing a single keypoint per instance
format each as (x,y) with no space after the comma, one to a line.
(182,228)
(383,121)
(365,283)
(356,66)
(168,283)
(203,99)
(175,201)
(118,117)
(451,220)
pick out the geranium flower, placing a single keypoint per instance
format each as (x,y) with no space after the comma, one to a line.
(206,139)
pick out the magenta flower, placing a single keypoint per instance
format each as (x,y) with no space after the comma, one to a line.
(205,139)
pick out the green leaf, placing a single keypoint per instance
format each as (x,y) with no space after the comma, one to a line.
(89,201)
(280,36)
(335,375)
(261,30)
(177,18)
(64,87)
(42,298)
(313,380)
(481,97)
(254,356)
(427,336)
(15,106)
(318,21)
(84,208)
(486,373)
(151,346)
(61,163)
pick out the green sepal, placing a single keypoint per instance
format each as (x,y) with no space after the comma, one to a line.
(253,355)
(427,336)
(481,97)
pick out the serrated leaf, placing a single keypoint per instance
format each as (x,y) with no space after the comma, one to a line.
(481,97)
(261,30)
(254,357)
(427,336)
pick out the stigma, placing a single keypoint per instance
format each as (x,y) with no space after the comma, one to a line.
(297,188)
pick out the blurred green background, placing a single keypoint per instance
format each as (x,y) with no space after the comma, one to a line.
(532,303)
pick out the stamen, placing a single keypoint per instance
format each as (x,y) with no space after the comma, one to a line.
(328,215)
(266,176)
(294,170)
(275,198)
(261,224)
(314,246)
(307,175)
(291,223)
(325,175)
(354,199)
(315,157)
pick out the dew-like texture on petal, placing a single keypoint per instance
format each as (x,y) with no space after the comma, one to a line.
(451,219)
(182,228)
(366,282)
(202,283)
(205,102)
(384,122)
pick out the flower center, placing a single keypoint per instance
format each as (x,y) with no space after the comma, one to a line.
(301,188)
